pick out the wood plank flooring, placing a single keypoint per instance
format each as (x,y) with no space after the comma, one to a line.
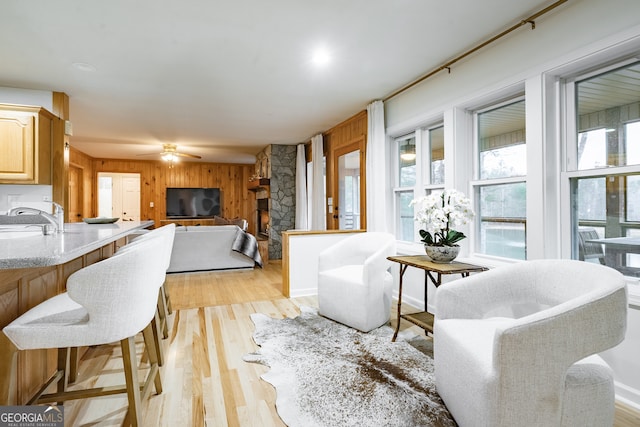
(205,380)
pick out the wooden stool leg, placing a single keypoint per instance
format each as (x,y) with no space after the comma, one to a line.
(155,327)
(164,314)
(131,379)
(150,347)
(167,299)
(73,365)
(63,366)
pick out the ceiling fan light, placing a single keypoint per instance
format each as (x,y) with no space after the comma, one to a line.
(408,152)
(169,157)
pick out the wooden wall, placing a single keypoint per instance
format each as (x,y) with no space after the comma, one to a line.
(84,164)
(156,176)
(338,140)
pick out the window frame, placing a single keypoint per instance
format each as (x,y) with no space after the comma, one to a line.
(423,184)
(570,172)
(477,183)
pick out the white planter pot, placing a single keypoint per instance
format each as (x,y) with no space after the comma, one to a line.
(442,254)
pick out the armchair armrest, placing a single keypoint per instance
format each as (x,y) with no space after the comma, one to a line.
(377,263)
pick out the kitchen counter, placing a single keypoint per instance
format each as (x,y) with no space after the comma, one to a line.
(55,249)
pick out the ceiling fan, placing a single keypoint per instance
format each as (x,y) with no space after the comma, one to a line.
(171,154)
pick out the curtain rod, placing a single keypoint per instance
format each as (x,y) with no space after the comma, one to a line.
(447,66)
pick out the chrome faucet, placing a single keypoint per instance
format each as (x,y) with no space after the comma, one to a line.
(57,219)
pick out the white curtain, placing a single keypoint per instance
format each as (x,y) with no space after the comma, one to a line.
(301,189)
(376,168)
(318,216)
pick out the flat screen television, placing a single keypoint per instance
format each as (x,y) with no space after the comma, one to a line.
(193,202)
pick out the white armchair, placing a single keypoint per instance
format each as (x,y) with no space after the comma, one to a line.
(354,286)
(516,346)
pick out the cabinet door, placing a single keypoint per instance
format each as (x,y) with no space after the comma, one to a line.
(17,145)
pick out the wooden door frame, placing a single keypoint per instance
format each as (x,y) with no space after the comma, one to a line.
(80,195)
(333,223)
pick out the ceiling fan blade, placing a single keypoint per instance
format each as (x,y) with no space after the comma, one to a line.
(193,156)
(149,154)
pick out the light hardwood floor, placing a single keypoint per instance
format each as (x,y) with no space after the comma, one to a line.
(205,380)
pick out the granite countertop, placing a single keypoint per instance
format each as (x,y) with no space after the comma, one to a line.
(78,239)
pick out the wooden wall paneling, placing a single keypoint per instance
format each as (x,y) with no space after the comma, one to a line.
(156,176)
(60,155)
(346,133)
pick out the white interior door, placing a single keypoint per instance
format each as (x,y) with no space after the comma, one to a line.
(130,197)
(119,195)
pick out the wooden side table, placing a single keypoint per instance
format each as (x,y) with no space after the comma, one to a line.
(434,272)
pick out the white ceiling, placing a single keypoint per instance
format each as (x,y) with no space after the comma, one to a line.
(224,79)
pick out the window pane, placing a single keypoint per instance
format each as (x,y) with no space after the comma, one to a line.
(502,219)
(592,149)
(633,198)
(608,209)
(608,111)
(407,160)
(592,200)
(436,142)
(501,138)
(404,214)
(632,142)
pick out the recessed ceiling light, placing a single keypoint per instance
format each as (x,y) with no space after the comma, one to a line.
(83,66)
(321,57)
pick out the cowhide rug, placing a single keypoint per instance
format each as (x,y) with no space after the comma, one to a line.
(326,374)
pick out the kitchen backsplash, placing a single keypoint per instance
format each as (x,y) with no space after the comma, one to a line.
(33,196)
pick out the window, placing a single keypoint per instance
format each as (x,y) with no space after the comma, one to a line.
(500,190)
(434,145)
(406,181)
(419,157)
(605,176)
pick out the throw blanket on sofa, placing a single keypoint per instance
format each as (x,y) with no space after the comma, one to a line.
(247,244)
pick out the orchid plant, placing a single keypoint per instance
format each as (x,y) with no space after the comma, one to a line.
(439,213)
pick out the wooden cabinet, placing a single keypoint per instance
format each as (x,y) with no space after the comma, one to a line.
(26,135)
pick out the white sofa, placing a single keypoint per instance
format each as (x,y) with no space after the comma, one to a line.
(198,248)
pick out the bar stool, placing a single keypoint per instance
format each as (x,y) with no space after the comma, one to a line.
(166,233)
(109,301)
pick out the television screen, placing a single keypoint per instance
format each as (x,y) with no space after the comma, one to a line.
(193,202)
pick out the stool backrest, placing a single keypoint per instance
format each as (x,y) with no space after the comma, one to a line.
(120,293)
(163,237)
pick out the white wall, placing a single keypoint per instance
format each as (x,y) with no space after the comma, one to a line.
(40,98)
(576,36)
(573,31)
(33,196)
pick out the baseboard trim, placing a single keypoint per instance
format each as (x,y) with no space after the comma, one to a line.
(627,395)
